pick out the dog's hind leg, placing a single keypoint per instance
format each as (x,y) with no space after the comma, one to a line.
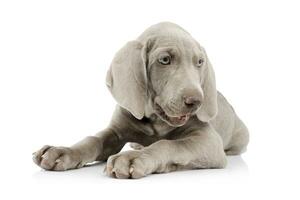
(239,140)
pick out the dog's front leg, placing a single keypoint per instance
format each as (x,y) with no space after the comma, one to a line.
(92,148)
(200,149)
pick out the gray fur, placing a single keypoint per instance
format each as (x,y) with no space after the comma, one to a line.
(172,114)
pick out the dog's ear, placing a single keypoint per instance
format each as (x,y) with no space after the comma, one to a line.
(127,78)
(209,108)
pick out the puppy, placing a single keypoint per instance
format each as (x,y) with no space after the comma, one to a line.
(168,106)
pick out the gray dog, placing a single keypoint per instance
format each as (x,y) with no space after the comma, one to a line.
(168,107)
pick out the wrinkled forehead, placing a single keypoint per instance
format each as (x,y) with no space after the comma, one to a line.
(185,46)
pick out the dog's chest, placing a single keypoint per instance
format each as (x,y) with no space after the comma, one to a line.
(157,127)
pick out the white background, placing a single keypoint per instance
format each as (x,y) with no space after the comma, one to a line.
(53,60)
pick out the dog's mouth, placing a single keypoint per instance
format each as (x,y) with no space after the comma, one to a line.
(171,120)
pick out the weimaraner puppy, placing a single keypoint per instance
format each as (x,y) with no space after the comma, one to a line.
(168,107)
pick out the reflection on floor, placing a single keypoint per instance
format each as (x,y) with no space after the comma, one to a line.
(236,168)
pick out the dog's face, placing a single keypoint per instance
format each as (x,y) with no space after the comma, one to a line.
(171,73)
(174,70)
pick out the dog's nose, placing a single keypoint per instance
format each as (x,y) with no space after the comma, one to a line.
(192,98)
(192,101)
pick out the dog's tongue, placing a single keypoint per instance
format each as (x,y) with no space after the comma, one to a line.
(181,118)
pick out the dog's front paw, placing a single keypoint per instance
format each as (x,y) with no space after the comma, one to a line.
(57,158)
(129,164)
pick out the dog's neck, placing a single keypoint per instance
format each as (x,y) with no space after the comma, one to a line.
(159,127)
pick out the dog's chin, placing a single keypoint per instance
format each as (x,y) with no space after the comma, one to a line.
(175,121)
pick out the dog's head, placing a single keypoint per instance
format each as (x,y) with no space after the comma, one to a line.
(167,70)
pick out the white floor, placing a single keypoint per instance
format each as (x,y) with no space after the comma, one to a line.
(236,169)
(245,177)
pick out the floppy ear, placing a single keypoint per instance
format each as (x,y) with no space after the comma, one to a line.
(209,107)
(126,78)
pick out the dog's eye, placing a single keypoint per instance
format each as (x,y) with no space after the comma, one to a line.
(200,62)
(165,60)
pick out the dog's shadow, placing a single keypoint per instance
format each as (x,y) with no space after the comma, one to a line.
(236,167)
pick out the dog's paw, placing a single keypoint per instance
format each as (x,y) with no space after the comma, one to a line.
(129,164)
(57,158)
